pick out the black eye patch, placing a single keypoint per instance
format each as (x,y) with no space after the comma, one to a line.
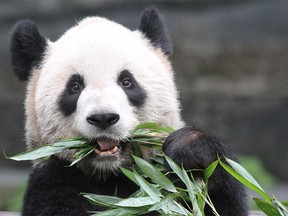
(68,99)
(133,90)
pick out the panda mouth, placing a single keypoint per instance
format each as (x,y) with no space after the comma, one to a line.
(105,147)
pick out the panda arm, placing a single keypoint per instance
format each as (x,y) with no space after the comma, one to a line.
(192,148)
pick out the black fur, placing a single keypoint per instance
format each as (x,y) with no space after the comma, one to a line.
(135,92)
(153,27)
(27,48)
(69,97)
(53,190)
(194,149)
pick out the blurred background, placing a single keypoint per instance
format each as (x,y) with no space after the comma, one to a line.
(231,64)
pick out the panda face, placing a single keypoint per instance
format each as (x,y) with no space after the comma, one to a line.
(99,81)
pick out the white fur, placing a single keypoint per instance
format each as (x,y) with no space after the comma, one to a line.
(99,50)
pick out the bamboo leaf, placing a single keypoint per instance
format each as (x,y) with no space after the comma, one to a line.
(129,175)
(103,200)
(48,150)
(179,209)
(112,212)
(136,202)
(241,175)
(210,169)
(81,154)
(175,168)
(158,159)
(154,174)
(185,179)
(148,125)
(122,212)
(152,192)
(281,208)
(285,203)
(266,207)
(154,126)
(164,202)
(200,193)
(191,192)
(237,167)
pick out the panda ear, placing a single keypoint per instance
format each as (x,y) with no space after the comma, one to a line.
(27,48)
(153,27)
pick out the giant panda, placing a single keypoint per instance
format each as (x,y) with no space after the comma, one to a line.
(99,81)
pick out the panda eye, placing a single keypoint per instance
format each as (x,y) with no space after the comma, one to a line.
(126,83)
(75,87)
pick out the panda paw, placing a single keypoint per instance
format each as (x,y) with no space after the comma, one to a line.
(193,149)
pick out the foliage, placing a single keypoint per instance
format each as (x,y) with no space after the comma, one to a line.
(157,193)
(254,165)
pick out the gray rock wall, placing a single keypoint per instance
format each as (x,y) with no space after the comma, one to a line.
(231,63)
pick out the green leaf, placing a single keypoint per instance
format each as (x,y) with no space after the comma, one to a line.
(154,126)
(112,212)
(48,150)
(281,208)
(266,207)
(175,168)
(137,193)
(237,167)
(129,175)
(136,202)
(191,192)
(285,203)
(179,209)
(185,179)
(164,202)
(148,125)
(201,193)
(81,154)
(152,192)
(158,159)
(122,212)
(103,200)
(169,206)
(210,169)
(152,145)
(244,177)
(154,174)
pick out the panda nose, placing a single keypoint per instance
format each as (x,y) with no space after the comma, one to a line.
(103,120)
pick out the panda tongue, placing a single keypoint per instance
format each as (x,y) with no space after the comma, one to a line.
(105,145)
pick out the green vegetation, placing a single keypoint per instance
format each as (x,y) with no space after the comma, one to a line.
(254,165)
(156,192)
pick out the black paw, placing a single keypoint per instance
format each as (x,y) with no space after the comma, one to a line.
(193,149)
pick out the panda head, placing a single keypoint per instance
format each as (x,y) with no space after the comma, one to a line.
(98,81)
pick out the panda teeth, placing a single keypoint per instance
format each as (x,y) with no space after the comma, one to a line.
(115,149)
(108,152)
